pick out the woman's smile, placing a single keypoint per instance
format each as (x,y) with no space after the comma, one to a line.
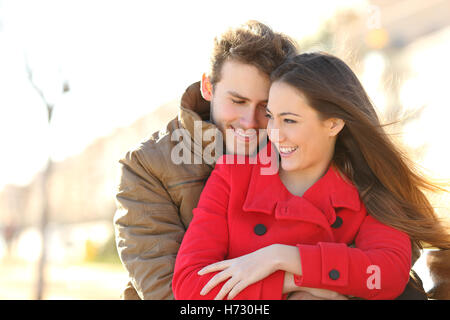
(286,151)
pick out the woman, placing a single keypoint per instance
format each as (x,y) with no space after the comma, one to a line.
(345,213)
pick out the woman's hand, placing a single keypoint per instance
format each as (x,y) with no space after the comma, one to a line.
(240,272)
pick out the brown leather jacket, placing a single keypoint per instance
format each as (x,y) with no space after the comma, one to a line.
(155,201)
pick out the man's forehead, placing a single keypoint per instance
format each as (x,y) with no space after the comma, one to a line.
(231,67)
(244,81)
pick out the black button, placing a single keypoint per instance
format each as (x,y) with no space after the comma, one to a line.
(260,229)
(337,223)
(334,274)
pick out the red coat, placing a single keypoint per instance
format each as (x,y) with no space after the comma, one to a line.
(241,211)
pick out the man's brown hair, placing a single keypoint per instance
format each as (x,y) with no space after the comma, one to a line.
(252,43)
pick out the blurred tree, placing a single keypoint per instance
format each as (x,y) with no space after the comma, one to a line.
(40,284)
(107,253)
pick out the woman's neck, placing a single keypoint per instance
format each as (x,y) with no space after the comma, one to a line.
(297,182)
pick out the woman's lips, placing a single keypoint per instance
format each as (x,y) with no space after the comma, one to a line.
(286,151)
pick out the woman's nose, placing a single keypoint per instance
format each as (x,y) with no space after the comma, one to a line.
(275,134)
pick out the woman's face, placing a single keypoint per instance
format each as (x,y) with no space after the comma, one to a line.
(303,140)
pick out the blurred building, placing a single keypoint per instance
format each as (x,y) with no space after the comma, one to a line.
(82,195)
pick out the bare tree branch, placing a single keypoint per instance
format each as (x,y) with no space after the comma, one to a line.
(39,90)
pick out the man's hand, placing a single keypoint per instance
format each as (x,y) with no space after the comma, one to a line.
(307,295)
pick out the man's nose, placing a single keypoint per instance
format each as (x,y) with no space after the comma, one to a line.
(249,119)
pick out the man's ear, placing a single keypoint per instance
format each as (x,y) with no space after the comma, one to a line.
(336,125)
(206,88)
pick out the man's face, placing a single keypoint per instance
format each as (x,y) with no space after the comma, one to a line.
(238,104)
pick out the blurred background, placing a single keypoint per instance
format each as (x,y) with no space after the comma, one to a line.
(82,82)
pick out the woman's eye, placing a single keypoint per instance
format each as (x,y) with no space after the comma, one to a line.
(237,101)
(268,116)
(289,121)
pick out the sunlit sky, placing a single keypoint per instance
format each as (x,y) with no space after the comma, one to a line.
(121,59)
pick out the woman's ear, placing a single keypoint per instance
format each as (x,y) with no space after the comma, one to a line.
(206,88)
(335,126)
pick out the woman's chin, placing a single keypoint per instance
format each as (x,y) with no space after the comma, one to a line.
(289,166)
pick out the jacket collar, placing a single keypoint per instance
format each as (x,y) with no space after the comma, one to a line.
(193,100)
(193,116)
(267,194)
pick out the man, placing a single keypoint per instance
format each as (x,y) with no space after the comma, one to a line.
(157,193)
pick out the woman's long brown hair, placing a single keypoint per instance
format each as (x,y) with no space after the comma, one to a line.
(390,185)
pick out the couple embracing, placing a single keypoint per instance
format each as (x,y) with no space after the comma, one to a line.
(343,216)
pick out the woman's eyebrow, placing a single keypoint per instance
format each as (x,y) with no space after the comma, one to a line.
(284,113)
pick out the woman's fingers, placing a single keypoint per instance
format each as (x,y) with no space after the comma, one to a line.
(238,287)
(226,288)
(218,266)
(214,281)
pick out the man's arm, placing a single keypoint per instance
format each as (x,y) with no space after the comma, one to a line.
(148,228)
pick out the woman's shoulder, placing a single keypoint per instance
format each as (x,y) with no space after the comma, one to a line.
(344,192)
(342,175)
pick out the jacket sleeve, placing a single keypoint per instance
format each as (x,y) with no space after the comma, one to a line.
(148,228)
(206,241)
(377,268)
